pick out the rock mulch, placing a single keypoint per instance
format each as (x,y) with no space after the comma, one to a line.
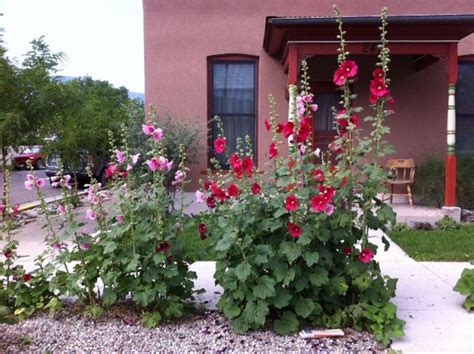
(119,331)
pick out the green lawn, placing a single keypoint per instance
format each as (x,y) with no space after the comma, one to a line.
(197,249)
(449,246)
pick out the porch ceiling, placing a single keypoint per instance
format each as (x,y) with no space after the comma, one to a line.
(279,31)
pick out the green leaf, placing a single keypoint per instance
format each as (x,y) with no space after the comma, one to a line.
(319,277)
(242,271)
(282,298)
(265,287)
(109,247)
(311,258)
(262,252)
(225,243)
(256,312)
(151,319)
(287,324)
(291,250)
(304,307)
(173,309)
(109,297)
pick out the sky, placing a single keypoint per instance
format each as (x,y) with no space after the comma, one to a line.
(101,38)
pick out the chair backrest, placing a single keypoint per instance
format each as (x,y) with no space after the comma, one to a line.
(403,169)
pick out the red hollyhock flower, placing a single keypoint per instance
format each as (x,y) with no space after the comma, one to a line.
(233,191)
(238,172)
(235,162)
(211,202)
(164,247)
(347,251)
(272,151)
(220,195)
(391,101)
(280,128)
(26,278)
(8,254)
(339,78)
(318,176)
(318,204)
(16,210)
(256,189)
(294,230)
(288,129)
(378,74)
(207,185)
(378,88)
(366,255)
(220,145)
(202,231)
(373,99)
(268,125)
(291,203)
(169,259)
(355,121)
(304,131)
(349,67)
(124,174)
(247,166)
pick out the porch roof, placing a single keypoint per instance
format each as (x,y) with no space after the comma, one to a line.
(279,31)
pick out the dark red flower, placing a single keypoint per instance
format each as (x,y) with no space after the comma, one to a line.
(220,145)
(26,278)
(238,172)
(373,99)
(207,185)
(378,88)
(366,255)
(280,128)
(110,171)
(291,203)
(256,189)
(318,176)
(340,77)
(202,231)
(318,204)
(233,191)
(211,202)
(124,174)
(391,101)
(220,195)
(349,67)
(272,151)
(347,251)
(304,131)
(164,247)
(288,129)
(268,125)
(8,254)
(294,230)
(247,166)
(378,73)
(169,259)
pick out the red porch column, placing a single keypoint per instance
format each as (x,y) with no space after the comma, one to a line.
(450,182)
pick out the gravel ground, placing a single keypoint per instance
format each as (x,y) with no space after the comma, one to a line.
(119,331)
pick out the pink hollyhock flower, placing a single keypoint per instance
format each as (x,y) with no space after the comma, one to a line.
(40,183)
(90,214)
(94,199)
(220,145)
(57,247)
(179,177)
(110,171)
(153,164)
(148,129)
(349,67)
(378,88)
(308,99)
(294,230)
(378,73)
(120,155)
(135,159)
(302,149)
(256,189)
(2,208)
(339,78)
(329,209)
(233,191)
(291,203)
(158,134)
(62,210)
(272,151)
(29,185)
(30,177)
(314,107)
(366,255)
(317,153)
(119,218)
(200,197)
(84,246)
(268,125)
(26,278)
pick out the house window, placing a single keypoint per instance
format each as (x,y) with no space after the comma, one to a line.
(465,108)
(324,115)
(233,97)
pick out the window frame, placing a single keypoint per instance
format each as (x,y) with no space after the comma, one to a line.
(465,59)
(230,58)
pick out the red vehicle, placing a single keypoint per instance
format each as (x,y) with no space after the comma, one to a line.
(38,160)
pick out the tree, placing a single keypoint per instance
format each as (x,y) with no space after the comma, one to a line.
(28,96)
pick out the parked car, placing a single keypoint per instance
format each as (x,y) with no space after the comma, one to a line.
(78,170)
(33,154)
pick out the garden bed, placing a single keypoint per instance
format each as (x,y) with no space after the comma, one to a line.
(438,245)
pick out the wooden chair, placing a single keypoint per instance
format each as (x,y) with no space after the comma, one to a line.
(403,173)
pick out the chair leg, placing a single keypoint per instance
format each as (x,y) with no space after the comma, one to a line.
(410,196)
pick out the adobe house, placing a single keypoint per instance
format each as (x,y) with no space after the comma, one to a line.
(224,57)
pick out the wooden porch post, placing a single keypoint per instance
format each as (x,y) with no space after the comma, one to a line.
(450,182)
(292,79)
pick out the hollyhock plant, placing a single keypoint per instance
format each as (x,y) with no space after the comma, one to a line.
(91,214)
(233,191)
(27,277)
(220,144)
(148,129)
(200,197)
(268,125)
(291,203)
(157,134)
(366,255)
(294,230)
(120,156)
(153,164)
(256,189)
(272,151)
(350,68)
(378,88)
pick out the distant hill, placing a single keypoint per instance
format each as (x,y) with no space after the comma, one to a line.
(131,95)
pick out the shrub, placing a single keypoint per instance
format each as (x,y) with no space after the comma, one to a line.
(430,176)
(465,286)
(447,224)
(291,247)
(400,227)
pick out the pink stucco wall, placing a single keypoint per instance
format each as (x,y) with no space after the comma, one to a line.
(181,34)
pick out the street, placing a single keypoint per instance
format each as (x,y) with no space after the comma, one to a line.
(19,194)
